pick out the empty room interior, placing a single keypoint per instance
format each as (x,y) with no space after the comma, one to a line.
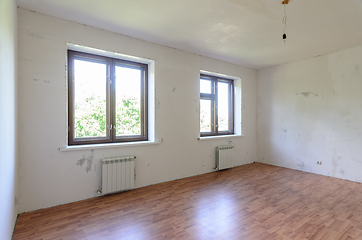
(207,119)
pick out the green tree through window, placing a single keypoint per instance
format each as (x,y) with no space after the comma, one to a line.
(107,99)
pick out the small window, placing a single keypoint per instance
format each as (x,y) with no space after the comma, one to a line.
(107,99)
(216,106)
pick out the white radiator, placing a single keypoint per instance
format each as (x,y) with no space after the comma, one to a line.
(117,174)
(224,157)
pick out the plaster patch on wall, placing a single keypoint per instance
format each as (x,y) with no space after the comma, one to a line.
(356,160)
(25,59)
(31,34)
(300,164)
(307,94)
(356,68)
(335,165)
(255,6)
(297,141)
(89,161)
(42,81)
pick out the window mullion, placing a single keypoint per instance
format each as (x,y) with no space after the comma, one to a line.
(144,97)
(142,103)
(213,106)
(231,107)
(111,96)
(71,93)
(216,121)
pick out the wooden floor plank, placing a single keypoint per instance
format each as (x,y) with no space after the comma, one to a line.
(254,201)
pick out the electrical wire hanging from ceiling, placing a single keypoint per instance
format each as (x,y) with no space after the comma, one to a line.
(284,20)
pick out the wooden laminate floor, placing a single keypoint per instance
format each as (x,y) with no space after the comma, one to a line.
(254,201)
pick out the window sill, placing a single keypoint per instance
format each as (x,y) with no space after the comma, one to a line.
(221,136)
(107,145)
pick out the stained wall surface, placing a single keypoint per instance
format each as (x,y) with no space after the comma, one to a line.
(8,111)
(51,177)
(310,111)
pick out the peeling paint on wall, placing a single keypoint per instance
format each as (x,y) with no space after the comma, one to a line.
(88,160)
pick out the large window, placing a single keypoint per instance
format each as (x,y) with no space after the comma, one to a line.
(107,99)
(216,106)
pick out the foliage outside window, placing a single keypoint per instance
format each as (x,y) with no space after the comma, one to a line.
(216,106)
(107,99)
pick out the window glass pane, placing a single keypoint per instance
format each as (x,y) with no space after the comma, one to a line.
(223,106)
(128,99)
(90,99)
(205,86)
(205,115)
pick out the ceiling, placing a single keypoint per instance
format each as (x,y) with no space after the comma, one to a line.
(244,32)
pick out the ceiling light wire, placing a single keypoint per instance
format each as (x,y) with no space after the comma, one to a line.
(284,20)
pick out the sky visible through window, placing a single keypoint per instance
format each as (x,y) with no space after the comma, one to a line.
(205,86)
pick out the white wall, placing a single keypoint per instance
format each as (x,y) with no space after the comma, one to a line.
(311,111)
(50,177)
(8,163)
